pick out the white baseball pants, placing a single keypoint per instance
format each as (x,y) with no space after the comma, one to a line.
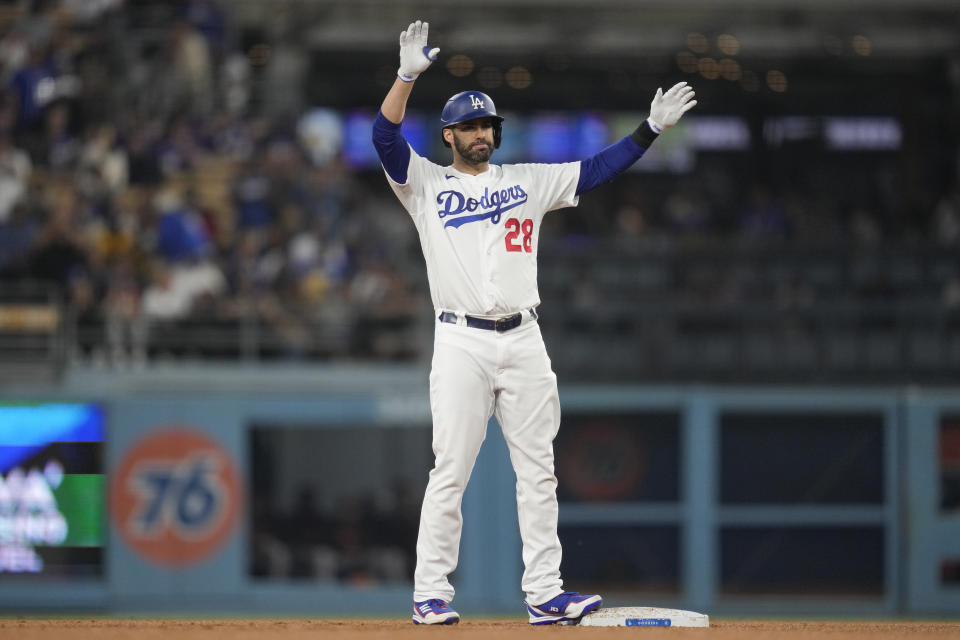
(477,373)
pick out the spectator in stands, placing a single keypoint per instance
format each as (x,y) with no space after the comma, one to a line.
(104,160)
(230,137)
(17,235)
(33,87)
(187,279)
(14,51)
(209,20)
(157,89)
(175,290)
(144,168)
(61,246)
(181,232)
(163,299)
(15,170)
(56,148)
(191,56)
(178,149)
(252,196)
(285,73)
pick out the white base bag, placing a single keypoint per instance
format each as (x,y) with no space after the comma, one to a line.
(644,617)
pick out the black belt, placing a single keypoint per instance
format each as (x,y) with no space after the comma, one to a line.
(491,324)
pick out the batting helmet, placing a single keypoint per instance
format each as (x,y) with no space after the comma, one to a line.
(469,105)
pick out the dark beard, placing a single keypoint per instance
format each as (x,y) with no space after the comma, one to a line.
(473,156)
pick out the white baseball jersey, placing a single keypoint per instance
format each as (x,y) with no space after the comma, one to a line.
(479,233)
(479,239)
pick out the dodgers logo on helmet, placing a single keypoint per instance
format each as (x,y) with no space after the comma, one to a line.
(468,105)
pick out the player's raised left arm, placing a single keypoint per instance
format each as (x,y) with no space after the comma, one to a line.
(666,109)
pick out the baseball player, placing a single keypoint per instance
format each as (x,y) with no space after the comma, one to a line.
(478,224)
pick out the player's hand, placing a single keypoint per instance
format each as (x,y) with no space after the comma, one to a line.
(415,54)
(667,108)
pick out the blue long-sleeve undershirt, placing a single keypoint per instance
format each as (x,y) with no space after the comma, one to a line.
(604,166)
(599,168)
(392,148)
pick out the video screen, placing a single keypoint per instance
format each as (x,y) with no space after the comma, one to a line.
(52,490)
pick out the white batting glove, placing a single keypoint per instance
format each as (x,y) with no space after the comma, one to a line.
(415,54)
(667,108)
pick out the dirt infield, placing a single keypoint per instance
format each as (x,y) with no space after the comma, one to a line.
(290,629)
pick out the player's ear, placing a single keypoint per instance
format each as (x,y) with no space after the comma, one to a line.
(448,135)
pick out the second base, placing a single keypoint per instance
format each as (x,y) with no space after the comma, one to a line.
(644,617)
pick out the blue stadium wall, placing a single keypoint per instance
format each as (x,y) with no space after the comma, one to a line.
(703,505)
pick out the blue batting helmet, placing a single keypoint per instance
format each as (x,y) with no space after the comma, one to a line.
(469,105)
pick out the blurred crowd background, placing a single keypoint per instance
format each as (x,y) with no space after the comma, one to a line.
(177,183)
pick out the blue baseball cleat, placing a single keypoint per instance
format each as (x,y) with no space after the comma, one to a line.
(434,612)
(566,608)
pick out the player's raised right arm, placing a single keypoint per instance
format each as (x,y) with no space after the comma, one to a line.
(415,57)
(394,106)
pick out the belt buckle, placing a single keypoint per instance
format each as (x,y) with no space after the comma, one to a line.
(505,324)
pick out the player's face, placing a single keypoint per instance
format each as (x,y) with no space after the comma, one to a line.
(473,140)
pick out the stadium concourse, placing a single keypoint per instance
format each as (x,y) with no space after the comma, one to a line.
(353,629)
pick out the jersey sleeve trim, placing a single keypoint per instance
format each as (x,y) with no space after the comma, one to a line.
(392,148)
